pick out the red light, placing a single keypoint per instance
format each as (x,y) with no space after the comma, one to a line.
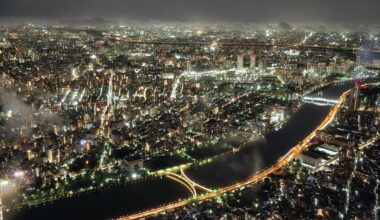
(358,82)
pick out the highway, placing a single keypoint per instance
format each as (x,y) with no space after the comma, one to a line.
(232,171)
(293,153)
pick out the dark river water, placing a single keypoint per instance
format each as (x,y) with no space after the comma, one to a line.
(126,199)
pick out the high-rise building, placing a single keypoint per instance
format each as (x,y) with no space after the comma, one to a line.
(260,66)
(215,110)
(37,172)
(252,62)
(240,62)
(265,61)
(95,109)
(58,156)
(1,204)
(50,156)
(357,62)
(29,154)
(188,67)
(354,102)
(357,94)
(147,147)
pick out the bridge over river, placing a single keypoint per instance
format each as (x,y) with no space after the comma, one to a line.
(162,193)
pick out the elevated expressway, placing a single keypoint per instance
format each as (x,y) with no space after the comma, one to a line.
(174,188)
(292,154)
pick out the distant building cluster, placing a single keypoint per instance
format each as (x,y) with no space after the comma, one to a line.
(83,108)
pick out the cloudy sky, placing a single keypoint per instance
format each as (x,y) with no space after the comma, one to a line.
(342,11)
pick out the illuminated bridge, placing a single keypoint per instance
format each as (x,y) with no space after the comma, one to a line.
(169,190)
(186,182)
(230,174)
(319,100)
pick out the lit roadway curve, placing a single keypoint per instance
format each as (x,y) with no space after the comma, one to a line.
(292,154)
(230,171)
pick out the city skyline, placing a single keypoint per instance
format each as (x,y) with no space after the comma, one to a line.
(189,109)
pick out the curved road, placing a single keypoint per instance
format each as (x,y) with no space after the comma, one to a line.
(266,152)
(224,174)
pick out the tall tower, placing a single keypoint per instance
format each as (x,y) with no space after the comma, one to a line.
(240,62)
(357,94)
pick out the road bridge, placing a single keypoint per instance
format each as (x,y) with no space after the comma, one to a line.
(319,100)
(292,154)
(187,182)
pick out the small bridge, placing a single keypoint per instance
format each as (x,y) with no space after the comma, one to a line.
(187,182)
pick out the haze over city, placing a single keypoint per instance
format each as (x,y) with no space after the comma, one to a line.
(336,11)
(173,109)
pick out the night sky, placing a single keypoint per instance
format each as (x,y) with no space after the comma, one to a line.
(340,11)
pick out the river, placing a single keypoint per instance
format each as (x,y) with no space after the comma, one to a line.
(152,192)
